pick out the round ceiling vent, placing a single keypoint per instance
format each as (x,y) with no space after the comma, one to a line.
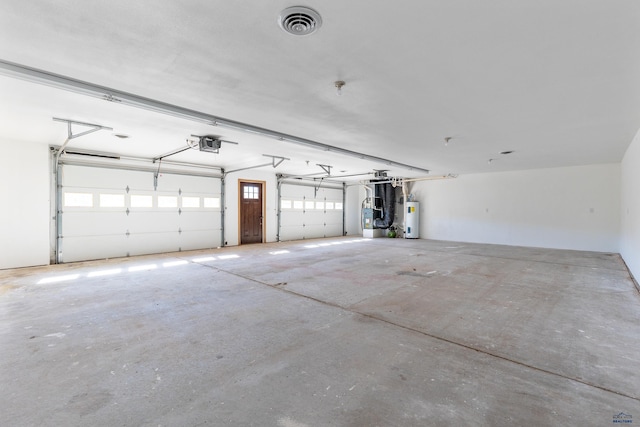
(299,20)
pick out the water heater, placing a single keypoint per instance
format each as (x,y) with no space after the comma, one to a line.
(412,218)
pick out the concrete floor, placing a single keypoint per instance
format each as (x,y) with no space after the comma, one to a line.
(334,332)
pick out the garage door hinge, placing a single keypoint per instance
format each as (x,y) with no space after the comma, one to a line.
(127,211)
(179,191)
(127,233)
(179,211)
(179,230)
(127,189)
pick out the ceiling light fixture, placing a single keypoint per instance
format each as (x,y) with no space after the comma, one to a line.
(299,20)
(339,84)
(506,152)
(447,139)
(121,135)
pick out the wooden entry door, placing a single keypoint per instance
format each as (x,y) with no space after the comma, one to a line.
(251,215)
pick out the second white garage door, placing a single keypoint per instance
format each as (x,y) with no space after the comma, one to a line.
(113,213)
(308,212)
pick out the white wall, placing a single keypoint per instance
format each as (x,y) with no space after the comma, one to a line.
(543,208)
(24,216)
(630,212)
(231,204)
(568,208)
(353,206)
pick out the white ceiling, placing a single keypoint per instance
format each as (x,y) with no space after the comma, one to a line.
(555,81)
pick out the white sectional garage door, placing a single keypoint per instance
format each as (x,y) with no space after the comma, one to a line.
(307,212)
(113,213)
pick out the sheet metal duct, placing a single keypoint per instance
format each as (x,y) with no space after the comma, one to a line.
(386,193)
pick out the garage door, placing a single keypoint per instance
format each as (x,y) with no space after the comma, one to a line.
(113,213)
(308,212)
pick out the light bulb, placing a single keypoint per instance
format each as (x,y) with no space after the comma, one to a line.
(338,84)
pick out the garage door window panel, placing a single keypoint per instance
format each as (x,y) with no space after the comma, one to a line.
(78,200)
(111,200)
(167,201)
(190,202)
(211,202)
(139,201)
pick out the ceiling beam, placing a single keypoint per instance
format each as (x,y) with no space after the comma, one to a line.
(35,75)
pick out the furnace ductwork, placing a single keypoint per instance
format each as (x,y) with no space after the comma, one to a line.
(387,193)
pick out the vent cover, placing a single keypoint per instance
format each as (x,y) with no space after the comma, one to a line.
(299,20)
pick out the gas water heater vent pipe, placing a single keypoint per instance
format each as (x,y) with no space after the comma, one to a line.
(404,211)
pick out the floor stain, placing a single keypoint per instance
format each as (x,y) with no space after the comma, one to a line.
(8,288)
(288,422)
(88,403)
(415,274)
